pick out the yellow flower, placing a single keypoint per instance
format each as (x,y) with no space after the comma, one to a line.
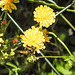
(44,15)
(47,39)
(32,58)
(8,5)
(33,39)
(1,40)
(1,34)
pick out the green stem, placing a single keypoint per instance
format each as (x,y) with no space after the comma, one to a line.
(55,6)
(16,47)
(10,64)
(68,22)
(64,17)
(61,42)
(49,63)
(5,16)
(64,9)
(51,57)
(2,14)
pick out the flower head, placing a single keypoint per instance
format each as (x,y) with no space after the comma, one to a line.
(33,39)
(44,16)
(8,5)
(32,58)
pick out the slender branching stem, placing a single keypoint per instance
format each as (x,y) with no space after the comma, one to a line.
(55,6)
(2,14)
(68,22)
(63,15)
(64,9)
(61,42)
(51,56)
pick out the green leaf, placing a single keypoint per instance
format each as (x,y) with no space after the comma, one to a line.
(64,71)
(10,64)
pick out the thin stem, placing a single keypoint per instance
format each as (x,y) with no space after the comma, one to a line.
(61,42)
(64,9)
(2,14)
(51,57)
(15,23)
(5,16)
(13,49)
(63,16)
(50,64)
(54,5)
(68,22)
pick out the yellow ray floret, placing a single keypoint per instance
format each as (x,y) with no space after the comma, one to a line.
(44,15)
(45,32)
(8,5)
(33,38)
